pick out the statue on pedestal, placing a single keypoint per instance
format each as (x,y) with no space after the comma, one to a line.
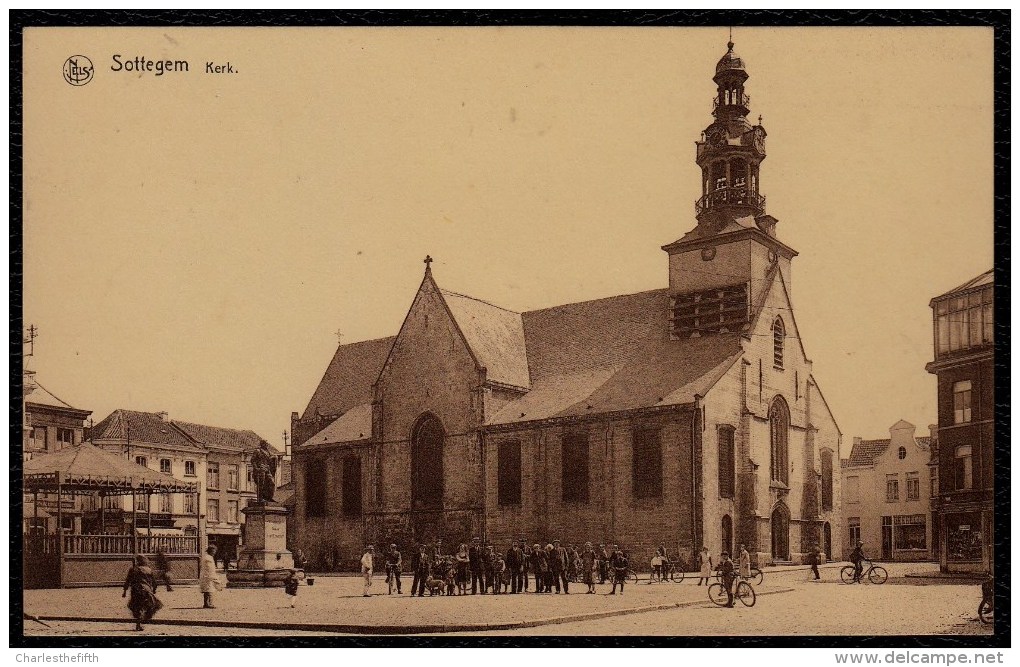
(263,465)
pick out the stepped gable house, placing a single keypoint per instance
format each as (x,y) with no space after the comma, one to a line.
(682,416)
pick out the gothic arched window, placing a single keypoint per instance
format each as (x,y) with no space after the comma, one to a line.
(779,437)
(427,438)
(778,341)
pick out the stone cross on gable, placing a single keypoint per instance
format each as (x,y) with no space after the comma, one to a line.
(428,261)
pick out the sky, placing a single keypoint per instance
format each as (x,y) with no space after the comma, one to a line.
(198,243)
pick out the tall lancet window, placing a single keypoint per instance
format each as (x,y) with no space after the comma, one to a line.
(779,435)
(778,341)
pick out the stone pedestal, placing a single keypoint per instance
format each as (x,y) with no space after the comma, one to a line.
(264,560)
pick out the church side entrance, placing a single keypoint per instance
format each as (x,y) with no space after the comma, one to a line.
(781,533)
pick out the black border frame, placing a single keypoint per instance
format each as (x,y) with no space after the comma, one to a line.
(999,20)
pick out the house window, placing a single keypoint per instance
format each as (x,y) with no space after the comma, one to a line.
(574,467)
(189,503)
(853,489)
(315,488)
(39,435)
(779,434)
(646,464)
(964,322)
(189,469)
(212,511)
(249,480)
(962,468)
(165,466)
(65,437)
(892,488)
(352,486)
(853,531)
(913,486)
(933,481)
(142,461)
(727,472)
(909,532)
(212,476)
(778,340)
(232,477)
(826,480)
(961,402)
(113,503)
(232,511)
(509,472)
(141,501)
(166,503)
(902,453)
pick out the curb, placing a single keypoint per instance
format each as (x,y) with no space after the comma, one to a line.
(401,629)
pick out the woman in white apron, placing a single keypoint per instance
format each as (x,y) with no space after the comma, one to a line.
(706,566)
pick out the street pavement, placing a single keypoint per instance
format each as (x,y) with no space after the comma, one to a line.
(788,604)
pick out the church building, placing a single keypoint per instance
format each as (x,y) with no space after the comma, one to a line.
(683,416)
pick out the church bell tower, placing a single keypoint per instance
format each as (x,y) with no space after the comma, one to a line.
(717,270)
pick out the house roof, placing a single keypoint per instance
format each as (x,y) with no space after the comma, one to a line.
(88,466)
(224,438)
(865,452)
(495,335)
(986,278)
(353,425)
(43,396)
(349,377)
(143,427)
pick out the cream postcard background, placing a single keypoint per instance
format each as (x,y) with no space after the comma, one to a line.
(193,242)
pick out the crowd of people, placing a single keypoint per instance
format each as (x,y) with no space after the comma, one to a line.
(483,569)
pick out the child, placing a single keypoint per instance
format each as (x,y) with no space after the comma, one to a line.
(450,576)
(290,586)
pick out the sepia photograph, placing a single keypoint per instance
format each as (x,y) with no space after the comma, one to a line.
(516,333)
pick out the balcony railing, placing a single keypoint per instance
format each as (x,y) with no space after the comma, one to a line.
(744,101)
(735,196)
(124,544)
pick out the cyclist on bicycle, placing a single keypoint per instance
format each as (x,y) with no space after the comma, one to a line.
(857,557)
(725,568)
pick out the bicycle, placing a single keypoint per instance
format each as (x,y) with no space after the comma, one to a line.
(986,609)
(757,576)
(876,574)
(744,592)
(391,579)
(670,571)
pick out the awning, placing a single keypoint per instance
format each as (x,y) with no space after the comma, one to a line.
(86,467)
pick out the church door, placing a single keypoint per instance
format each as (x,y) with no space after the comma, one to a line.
(781,533)
(427,463)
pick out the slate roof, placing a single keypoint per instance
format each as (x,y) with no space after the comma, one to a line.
(353,425)
(349,377)
(224,438)
(986,278)
(865,452)
(495,335)
(143,427)
(42,396)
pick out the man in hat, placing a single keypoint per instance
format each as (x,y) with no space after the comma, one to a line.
(393,563)
(421,566)
(603,558)
(728,576)
(558,566)
(475,561)
(857,557)
(526,564)
(367,564)
(513,564)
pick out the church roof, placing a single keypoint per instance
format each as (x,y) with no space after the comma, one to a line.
(353,425)
(349,377)
(495,335)
(611,355)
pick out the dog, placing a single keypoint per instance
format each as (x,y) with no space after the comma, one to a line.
(435,586)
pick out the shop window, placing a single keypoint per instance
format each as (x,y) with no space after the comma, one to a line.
(964,540)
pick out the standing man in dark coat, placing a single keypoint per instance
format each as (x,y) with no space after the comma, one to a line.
(558,565)
(514,565)
(603,557)
(540,568)
(421,566)
(475,560)
(815,557)
(526,565)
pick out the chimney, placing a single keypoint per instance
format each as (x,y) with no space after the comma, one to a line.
(858,440)
(163,416)
(933,432)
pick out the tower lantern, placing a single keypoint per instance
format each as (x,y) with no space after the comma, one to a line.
(731,150)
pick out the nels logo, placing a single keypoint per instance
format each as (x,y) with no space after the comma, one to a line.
(78,70)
